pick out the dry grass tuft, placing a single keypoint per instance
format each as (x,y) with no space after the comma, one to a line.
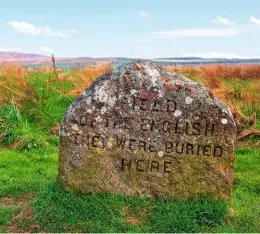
(87,75)
(15,87)
(13,84)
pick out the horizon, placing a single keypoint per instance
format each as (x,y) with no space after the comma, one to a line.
(140,29)
(162,58)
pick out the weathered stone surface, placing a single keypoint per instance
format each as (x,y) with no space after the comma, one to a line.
(140,130)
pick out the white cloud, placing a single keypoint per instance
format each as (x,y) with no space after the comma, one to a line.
(221,20)
(215,54)
(10,49)
(46,50)
(30,29)
(145,14)
(196,32)
(254,20)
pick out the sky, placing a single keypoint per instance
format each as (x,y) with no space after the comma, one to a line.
(136,28)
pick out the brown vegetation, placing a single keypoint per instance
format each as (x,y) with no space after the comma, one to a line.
(237,85)
(15,87)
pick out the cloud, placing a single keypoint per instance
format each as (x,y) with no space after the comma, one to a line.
(215,54)
(30,29)
(222,20)
(145,14)
(254,20)
(11,49)
(196,32)
(46,50)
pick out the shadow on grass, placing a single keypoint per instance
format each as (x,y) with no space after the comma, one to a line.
(60,211)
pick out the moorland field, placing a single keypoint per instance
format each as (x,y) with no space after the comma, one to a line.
(32,103)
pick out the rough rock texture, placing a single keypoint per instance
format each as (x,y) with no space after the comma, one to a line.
(140,130)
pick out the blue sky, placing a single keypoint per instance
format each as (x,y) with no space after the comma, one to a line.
(136,28)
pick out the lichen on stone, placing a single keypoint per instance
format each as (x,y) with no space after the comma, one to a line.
(140,130)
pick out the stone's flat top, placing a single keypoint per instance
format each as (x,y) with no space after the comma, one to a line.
(142,130)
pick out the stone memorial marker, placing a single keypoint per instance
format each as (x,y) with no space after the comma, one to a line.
(139,130)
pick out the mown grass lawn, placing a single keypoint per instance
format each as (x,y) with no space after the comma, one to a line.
(31,202)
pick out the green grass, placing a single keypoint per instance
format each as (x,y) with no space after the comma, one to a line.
(6,214)
(27,122)
(17,131)
(33,174)
(50,99)
(26,172)
(248,87)
(57,210)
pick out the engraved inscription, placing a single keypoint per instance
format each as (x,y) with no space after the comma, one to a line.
(142,165)
(150,124)
(170,148)
(144,104)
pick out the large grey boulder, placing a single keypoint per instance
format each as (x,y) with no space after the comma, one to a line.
(140,130)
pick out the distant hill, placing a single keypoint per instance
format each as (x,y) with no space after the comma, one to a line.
(36,58)
(200,61)
(21,57)
(182,58)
